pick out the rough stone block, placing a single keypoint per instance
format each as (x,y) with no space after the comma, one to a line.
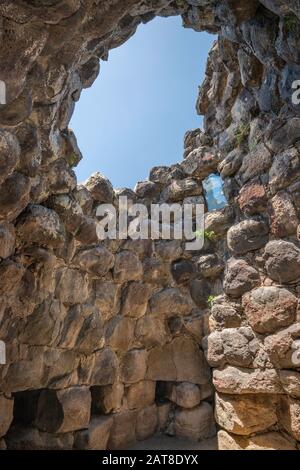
(64,411)
(246,414)
(96,436)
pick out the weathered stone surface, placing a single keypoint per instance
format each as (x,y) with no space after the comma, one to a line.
(240,277)
(200,291)
(284,220)
(235,346)
(119,333)
(107,298)
(168,302)
(150,331)
(9,154)
(123,431)
(185,395)
(225,314)
(6,414)
(169,250)
(63,326)
(200,163)
(97,261)
(64,411)
(100,188)
(165,175)
(40,226)
(219,221)
(180,361)
(7,240)
(267,441)
(285,169)
(145,189)
(105,367)
(163,413)
(14,196)
(183,270)
(180,189)
(282,347)
(290,381)
(231,163)
(270,308)
(127,267)
(289,415)
(244,381)
(255,163)
(136,298)
(141,394)
(246,236)
(282,261)
(107,399)
(210,266)
(194,424)
(29,438)
(146,423)
(73,287)
(96,436)
(247,414)
(252,198)
(134,366)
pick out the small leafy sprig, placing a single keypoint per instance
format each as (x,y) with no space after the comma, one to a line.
(211,299)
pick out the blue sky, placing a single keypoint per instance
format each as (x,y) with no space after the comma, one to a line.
(136,113)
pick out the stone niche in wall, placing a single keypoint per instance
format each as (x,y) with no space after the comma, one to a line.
(109,343)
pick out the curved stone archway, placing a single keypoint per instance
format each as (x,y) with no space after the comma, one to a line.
(106,338)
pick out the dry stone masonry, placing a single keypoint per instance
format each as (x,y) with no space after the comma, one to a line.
(108,343)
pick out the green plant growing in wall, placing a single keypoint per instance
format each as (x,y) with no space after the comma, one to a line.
(242,133)
(211,299)
(291,23)
(72,159)
(208,235)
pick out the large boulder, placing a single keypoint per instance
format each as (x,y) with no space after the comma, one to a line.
(235,346)
(282,261)
(185,395)
(136,298)
(100,188)
(96,436)
(195,424)
(179,361)
(140,394)
(123,432)
(97,261)
(270,308)
(146,423)
(14,196)
(247,414)
(237,380)
(127,267)
(64,411)
(240,277)
(133,366)
(40,226)
(249,235)
(169,301)
(284,220)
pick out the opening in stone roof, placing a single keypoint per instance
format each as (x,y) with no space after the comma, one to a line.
(135,115)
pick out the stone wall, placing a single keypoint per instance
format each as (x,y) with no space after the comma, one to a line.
(105,341)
